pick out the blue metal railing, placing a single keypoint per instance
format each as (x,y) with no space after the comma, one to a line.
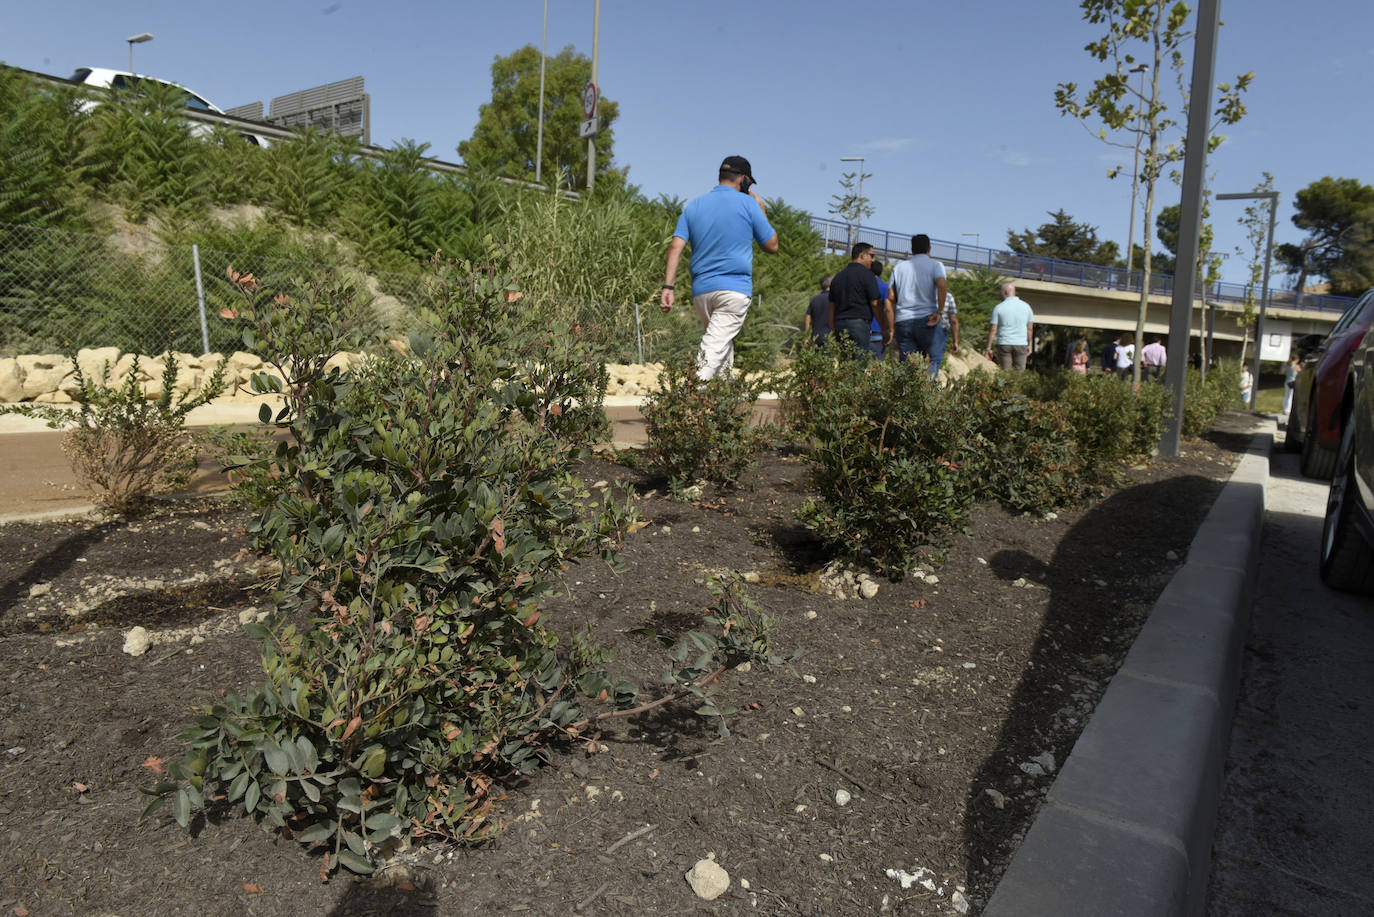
(896,245)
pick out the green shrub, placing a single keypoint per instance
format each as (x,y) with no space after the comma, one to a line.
(1110,424)
(125,445)
(426,506)
(1021,451)
(1205,400)
(701,430)
(885,452)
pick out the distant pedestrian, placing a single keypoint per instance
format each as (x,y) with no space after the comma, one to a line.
(1079,358)
(946,331)
(1247,384)
(1068,356)
(916,297)
(817,321)
(1290,382)
(1153,356)
(722,227)
(1109,357)
(1125,354)
(1012,328)
(876,337)
(854,298)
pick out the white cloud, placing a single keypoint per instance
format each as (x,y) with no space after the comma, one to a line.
(888,145)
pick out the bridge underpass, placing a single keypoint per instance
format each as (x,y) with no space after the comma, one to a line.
(1067,305)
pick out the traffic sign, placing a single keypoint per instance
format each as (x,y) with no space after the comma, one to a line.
(589,128)
(589,97)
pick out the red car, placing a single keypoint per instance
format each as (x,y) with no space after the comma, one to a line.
(1324,395)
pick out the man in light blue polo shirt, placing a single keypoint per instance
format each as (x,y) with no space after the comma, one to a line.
(1012,326)
(722,227)
(916,295)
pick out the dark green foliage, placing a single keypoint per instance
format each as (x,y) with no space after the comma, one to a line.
(1338,217)
(1110,424)
(1021,450)
(701,430)
(976,292)
(886,448)
(1205,400)
(1064,238)
(37,184)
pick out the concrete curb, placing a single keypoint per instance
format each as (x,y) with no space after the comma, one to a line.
(1126,830)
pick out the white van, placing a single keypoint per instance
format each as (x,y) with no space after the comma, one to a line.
(101,78)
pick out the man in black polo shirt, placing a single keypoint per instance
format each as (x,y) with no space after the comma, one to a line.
(854,299)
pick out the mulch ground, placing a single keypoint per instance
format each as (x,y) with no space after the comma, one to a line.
(942,706)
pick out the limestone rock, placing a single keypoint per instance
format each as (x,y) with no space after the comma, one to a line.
(708,879)
(137,641)
(43,373)
(93,361)
(11,380)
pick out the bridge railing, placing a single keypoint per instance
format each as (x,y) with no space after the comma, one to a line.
(894,246)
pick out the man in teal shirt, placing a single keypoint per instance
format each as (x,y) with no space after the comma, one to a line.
(722,227)
(1012,326)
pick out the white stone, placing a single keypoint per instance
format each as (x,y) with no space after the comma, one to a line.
(93,361)
(997,798)
(959,902)
(827,858)
(1046,760)
(708,880)
(1171,555)
(932,580)
(868,589)
(38,589)
(797,711)
(752,576)
(842,797)
(11,380)
(137,641)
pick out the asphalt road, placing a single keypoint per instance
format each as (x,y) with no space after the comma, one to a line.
(1295,832)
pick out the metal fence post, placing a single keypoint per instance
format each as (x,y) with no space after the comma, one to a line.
(200,297)
(639,335)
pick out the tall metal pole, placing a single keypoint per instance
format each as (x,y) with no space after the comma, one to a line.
(1264,299)
(1135,170)
(596,53)
(543,57)
(1190,216)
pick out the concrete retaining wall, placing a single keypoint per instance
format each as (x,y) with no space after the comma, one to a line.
(1126,830)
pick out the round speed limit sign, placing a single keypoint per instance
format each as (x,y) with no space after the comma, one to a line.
(589,93)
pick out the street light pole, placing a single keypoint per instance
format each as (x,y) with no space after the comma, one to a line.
(860,208)
(596,51)
(1273,198)
(539,142)
(1135,170)
(136,40)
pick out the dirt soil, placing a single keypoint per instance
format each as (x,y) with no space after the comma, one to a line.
(942,705)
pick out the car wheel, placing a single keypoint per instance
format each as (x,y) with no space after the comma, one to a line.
(1317,462)
(1347,561)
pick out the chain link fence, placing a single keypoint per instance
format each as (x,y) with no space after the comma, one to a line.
(61,291)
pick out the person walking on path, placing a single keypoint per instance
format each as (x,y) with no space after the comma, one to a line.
(816,325)
(1109,357)
(1125,354)
(722,227)
(1153,356)
(947,330)
(1078,359)
(915,296)
(1011,328)
(1290,383)
(876,338)
(854,299)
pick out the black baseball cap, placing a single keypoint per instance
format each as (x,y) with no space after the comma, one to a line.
(739,165)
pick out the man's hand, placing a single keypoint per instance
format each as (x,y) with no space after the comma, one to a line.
(933,320)
(665,301)
(762,205)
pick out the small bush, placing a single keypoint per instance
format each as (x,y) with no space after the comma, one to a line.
(702,430)
(124,445)
(1205,400)
(1111,424)
(886,447)
(1021,451)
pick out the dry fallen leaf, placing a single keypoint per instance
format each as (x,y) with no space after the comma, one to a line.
(252,889)
(154,764)
(80,787)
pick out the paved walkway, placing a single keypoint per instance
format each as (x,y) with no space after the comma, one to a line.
(1294,835)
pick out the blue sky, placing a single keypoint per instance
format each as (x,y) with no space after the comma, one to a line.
(950,103)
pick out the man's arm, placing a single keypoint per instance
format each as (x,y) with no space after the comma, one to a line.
(954,330)
(675,247)
(890,317)
(806,323)
(940,288)
(771,246)
(1030,334)
(992,333)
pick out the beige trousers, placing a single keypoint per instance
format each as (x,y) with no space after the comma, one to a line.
(722,315)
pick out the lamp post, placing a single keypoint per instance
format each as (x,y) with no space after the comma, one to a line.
(596,53)
(539,142)
(860,208)
(136,40)
(1273,198)
(1135,171)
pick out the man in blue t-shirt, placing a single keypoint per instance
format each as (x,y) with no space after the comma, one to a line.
(1012,328)
(722,227)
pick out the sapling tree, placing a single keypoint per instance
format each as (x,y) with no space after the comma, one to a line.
(1153,32)
(1256,223)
